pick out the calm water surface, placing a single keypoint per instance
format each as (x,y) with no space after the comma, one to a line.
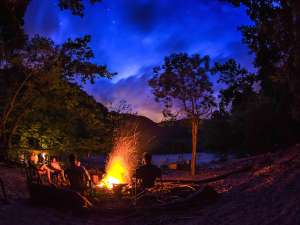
(161,159)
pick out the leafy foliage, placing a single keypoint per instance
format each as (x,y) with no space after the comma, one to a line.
(182,85)
(12,20)
(76,6)
(239,84)
(39,94)
(258,110)
(274,38)
(75,123)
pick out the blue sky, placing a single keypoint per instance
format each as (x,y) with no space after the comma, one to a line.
(133,36)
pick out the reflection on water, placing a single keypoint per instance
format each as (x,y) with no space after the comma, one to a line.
(202,158)
(159,159)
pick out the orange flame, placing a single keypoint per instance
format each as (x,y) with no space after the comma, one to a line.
(121,163)
(116,173)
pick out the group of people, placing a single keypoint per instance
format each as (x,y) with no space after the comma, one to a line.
(77,177)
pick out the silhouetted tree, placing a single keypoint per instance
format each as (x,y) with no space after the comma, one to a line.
(31,68)
(12,20)
(37,69)
(254,121)
(66,118)
(239,85)
(274,39)
(182,85)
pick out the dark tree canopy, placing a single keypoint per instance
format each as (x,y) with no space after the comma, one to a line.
(274,38)
(260,110)
(182,85)
(240,85)
(35,74)
(12,20)
(76,6)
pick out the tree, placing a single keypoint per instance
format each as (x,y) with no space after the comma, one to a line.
(254,122)
(39,68)
(274,39)
(12,20)
(181,84)
(239,86)
(66,119)
(31,68)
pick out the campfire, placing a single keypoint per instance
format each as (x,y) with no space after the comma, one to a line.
(116,190)
(121,163)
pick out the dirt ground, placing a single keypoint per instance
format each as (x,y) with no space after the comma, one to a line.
(267,194)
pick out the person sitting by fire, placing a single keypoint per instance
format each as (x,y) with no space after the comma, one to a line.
(78,163)
(76,176)
(56,168)
(41,168)
(148,172)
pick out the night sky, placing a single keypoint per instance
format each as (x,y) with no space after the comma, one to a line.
(132,36)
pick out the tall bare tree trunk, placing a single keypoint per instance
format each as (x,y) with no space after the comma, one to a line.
(195,124)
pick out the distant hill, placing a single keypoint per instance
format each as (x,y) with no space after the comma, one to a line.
(164,137)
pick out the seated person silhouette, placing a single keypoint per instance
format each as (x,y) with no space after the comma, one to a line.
(56,168)
(148,172)
(88,176)
(41,168)
(76,176)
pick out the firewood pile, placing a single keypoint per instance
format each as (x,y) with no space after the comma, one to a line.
(164,195)
(169,193)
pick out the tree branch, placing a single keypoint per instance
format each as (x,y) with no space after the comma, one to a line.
(11,104)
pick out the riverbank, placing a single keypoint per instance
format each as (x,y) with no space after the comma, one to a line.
(266,194)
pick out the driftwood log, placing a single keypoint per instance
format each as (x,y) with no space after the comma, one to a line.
(210,179)
(203,196)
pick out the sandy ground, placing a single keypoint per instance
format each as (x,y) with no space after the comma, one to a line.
(267,194)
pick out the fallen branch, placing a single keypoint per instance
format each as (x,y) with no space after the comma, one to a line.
(203,196)
(210,179)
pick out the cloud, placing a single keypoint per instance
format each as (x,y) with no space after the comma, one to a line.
(133,36)
(134,90)
(140,14)
(174,43)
